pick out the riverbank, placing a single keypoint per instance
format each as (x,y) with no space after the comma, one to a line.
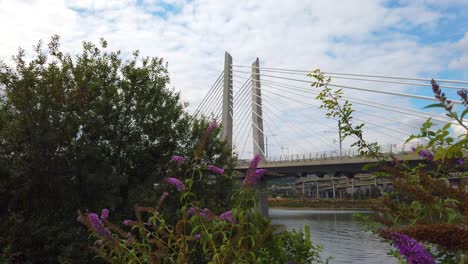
(303,203)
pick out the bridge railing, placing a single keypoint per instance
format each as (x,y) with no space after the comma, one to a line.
(335,154)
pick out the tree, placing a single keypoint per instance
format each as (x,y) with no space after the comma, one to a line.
(82,132)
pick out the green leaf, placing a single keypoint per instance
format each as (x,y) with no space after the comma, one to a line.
(434,105)
(446,126)
(463,113)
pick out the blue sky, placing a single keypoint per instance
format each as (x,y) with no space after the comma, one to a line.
(419,38)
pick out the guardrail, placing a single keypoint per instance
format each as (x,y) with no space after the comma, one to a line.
(333,154)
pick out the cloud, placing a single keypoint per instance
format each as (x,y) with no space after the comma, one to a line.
(363,36)
(461,62)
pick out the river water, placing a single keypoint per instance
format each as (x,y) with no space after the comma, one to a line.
(341,237)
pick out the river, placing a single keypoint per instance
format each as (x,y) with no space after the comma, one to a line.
(341,237)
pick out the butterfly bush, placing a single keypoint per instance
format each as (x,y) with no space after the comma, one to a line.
(227,216)
(411,249)
(198,234)
(98,227)
(104,214)
(176,183)
(178,159)
(253,174)
(215,169)
(424,203)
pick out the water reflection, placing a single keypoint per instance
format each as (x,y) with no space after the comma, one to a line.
(340,236)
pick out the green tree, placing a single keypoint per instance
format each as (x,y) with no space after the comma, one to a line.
(83,132)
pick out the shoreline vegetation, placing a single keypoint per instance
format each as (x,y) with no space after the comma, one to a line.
(322,204)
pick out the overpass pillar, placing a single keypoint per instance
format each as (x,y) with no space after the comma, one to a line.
(317,194)
(262,198)
(334,192)
(227,100)
(257,117)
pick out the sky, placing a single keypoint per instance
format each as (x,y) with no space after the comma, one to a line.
(418,38)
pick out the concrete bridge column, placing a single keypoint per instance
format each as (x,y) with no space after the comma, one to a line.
(227,114)
(334,191)
(257,116)
(317,194)
(262,198)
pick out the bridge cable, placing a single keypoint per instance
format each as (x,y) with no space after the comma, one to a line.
(361,75)
(326,143)
(208,109)
(292,125)
(331,75)
(411,112)
(209,94)
(405,133)
(210,91)
(359,88)
(215,102)
(240,97)
(243,148)
(366,113)
(242,94)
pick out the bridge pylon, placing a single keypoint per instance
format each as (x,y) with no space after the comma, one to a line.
(227,111)
(257,116)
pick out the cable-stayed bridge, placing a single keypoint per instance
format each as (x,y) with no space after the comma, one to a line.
(272,112)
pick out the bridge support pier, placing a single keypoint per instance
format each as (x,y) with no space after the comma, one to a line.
(334,191)
(227,100)
(257,116)
(317,194)
(262,198)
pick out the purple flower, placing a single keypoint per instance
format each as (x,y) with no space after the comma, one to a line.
(226,216)
(97,225)
(215,169)
(205,213)
(177,183)
(178,159)
(129,239)
(413,149)
(104,214)
(411,249)
(463,93)
(259,173)
(128,222)
(99,242)
(461,162)
(211,127)
(79,219)
(424,153)
(197,236)
(162,198)
(251,178)
(193,210)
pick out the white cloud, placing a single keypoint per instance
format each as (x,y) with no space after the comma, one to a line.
(193,37)
(92,5)
(461,62)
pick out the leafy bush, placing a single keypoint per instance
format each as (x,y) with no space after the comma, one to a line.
(198,234)
(424,206)
(87,131)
